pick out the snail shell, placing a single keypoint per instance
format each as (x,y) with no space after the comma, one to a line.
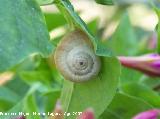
(75,57)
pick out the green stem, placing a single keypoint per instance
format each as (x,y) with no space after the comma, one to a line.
(158,39)
(65,13)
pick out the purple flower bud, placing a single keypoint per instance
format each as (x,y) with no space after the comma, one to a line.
(148,64)
(150,114)
(87,114)
(21,117)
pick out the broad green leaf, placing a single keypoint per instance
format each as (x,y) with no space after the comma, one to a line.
(26,105)
(124,107)
(54,20)
(74,20)
(7,94)
(43,74)
(124,41)
(11,93)
(32,77)
(151,82)
(130,2)
(129,75)
(23,32)
(44,2)
(105,2)
(142,92)
(5,105)
(43,78)
(72,17)
(126,2)
(96,93)
(102,50)
(7,98)
(93,26)
(20,89)
(50,98)
(17,109)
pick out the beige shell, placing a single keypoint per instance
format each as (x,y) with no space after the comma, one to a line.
(75,57)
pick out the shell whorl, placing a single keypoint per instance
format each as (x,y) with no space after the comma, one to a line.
(75,57)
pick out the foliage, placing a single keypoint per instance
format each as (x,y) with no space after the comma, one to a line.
(24,30)
(27,51)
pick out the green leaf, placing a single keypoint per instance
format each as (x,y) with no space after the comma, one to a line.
(129,75)
(5,105)
(44,2)
(6,94)
(54,20)
(50,99)
(142,92)
(43,78)
(102,50)
(75,21)
(20,89)
(105,2)
(23,32)
(131,2)
(124,107)
(93,25)
(96,93)
(32,77)
(151,82)
(72,17)
(43,74)
(26,105)
(29,102)
(15,109)
(124,41)
(30,107)
(7,98)
(11,93)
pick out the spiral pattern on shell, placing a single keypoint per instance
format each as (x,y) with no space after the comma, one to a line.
(75,57)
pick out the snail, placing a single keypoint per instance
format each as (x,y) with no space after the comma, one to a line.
(75,57)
